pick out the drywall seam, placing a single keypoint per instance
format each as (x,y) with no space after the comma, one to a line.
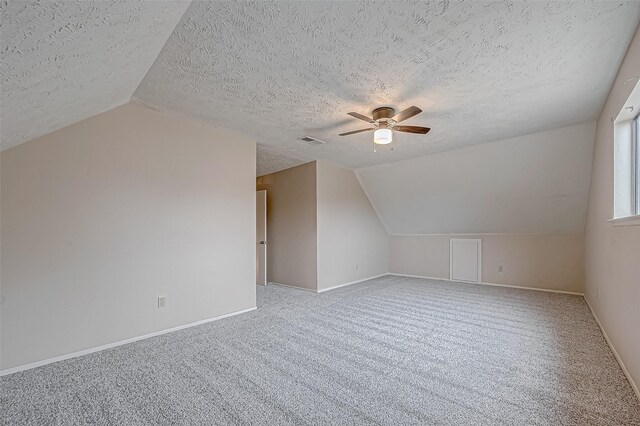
(36,364)
(352,282)
(613,349)
(492,284)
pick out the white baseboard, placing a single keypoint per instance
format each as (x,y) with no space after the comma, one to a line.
(493,284)
(613,349)
(36,364)
(418,276)
(352,282)
(330,288)
(291,286)
(548,290)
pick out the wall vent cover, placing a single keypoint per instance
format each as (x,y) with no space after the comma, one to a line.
(311,141)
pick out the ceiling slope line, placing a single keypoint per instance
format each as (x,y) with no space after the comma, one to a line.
(189,118)
(373,206)
(83,79)
(178,21)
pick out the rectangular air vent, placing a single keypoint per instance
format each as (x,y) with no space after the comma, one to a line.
(311,141)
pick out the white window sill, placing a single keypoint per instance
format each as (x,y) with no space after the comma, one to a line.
(625,221)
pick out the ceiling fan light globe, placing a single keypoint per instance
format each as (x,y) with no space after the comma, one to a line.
(382,136)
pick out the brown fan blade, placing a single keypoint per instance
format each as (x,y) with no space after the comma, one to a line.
(407,113)
(412,129)
(357,131)
(361,117)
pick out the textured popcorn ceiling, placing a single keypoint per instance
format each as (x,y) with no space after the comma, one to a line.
(64,61)
(275,71)
(481,71)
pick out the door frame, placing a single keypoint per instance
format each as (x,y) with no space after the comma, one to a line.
(258,257)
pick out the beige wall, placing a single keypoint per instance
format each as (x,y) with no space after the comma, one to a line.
(352,243)
(421,255)
(102,217)
(546,261)
(530,184)
(613,253)
(291,226)
(321,229)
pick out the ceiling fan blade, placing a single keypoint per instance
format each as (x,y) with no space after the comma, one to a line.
(412,129)
(407,113)
(357,131)
(361,117)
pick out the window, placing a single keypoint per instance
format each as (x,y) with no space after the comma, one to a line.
(626,201)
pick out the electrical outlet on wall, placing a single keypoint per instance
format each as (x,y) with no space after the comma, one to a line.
(162,300)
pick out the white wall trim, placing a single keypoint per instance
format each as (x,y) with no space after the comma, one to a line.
(352,282)
(330,288)
(613,349)
(291,286)
(419,276)
(548,290)
(625,221)
(36,364)
(485,234)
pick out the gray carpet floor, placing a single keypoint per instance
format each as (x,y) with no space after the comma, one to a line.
(387,351)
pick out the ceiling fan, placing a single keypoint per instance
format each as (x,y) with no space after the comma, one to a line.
(385,120)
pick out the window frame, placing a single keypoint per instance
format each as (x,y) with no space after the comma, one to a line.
(626,162)
(635,170)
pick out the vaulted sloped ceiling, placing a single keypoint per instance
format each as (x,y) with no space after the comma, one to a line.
(536,183)
(481,71)
(64,61)
(278,70)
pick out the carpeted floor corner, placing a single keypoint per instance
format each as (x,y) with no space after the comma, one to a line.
(387,351)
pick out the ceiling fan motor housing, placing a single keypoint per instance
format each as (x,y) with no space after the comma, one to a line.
(383,112)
